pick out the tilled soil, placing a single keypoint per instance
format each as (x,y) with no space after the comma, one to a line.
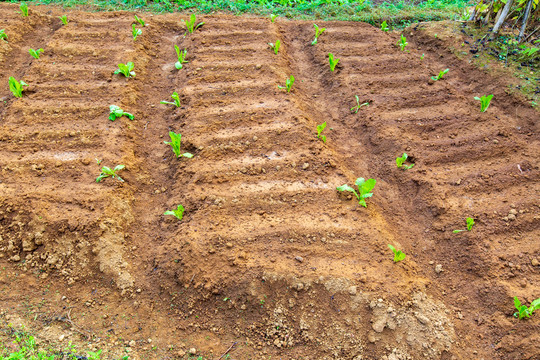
(269,257)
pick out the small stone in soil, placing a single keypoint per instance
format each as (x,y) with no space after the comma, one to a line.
(299,259)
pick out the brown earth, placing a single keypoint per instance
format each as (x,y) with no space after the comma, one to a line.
(269,256)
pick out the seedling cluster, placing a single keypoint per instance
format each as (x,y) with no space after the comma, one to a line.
(485,100)
(402,42)
(176,99)
(176,141)
(400,162)
(181,54)
(288,84)
(524,311)
(398,254)
(3,35)
(16,87)
(64,19)
(320,129)
(358,105)
(470,224)
(178,212)
(107,171)
(318,32)
(35,53)
(364,189)
(333,61)
(440,76)
(135,32)
(190,24)
(275,46)
(116,112)
(126,69)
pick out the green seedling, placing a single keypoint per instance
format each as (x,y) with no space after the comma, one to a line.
(273,17)
(126,69)
(35,53)
(16,87)
(333,61)
(358,105)
(422,57)
(364,188)
(176,141)
(402,42)
(106,172)
(3,35)
(398,254)
(135,32)
(318,33)
(401,160)
(470,223)
(64,19)
(116,112)
(384,26)
(178,212)
(523,311)
(190,25)
(485,100)
(320,129)
(181,57)
(140,21)
(24,9)
(288,84)
(176,99)
(275,46)
(440,76)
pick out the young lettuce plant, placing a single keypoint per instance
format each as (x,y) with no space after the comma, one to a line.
(116,112)
(3,35)
(275,46)
(181,57)
(524,311)
(64,19)
(402,42)
(176,141)
(273,17)
(364,188)
(35,53)
(398,254)
(288,84)
(140,21)
(485,100)
(440,76)
(333,61)
(358,105)
(320,129)
(135,32)
(190,25)
(16,87)
(470,223)
(176,99)
(126,69)
(384,26)
(318,33)
(400,161)
(178,212)
(24,9)
(106,172)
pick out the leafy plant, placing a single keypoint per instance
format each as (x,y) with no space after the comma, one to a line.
(470,223)
(116,112)
(318,33)
(485,100)
(384,26)
(402,42)
(364,188)
(16,87)
(181,57)
(24,9)
(398,254)
(176,99)
(422,57)
(106,172)
(320,129)
(178,212)
(3,35)
(35,53)
(273,17)
(275,46)
(440,76)
(64,19)
(401,160)
(135,32)
(176,140)
(288,84)
(126,69)
(140,21)
(333,62)
(190,25)
(524,311)
(358,105)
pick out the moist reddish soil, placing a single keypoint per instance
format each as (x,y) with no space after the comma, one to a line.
(269,261)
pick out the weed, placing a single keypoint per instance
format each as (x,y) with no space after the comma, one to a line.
(273,17)
(398,254)
(190,25)
(358,105)
(384,26)
(140,21)
(64,19)
(364,188)
(402,42)
(288,84)
(181,57)
(523,311)
(470,223)
(126,69)
(176,140)
(135,32)
(333,62)
(35,53)
(3,35)
(401,160)
(106,172)
(116,112)
(320,129)
(318,33)
(24,9)
(440,76)
(16,87)
(176,99)
(485,100)
(178,212)
(275,46)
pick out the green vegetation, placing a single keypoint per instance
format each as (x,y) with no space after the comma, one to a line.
(384,26)
(64,19)
(320,129)
(358,105)
(16,87)
(35,53)
(275,46)
(402,42)
(178,212)
(364,188)
(176,99)
(288,84)
(398,254)
(401,160)
(524,311)
(485,100)
(422,57)
(126,69)
(190,25)
(106,172)
(135,32)
(3,35)
(318,33)
(440,76)
(273,17)
(470,223)
(181,57)
(333,62)
(140,21)
(176,140)
(116,112)
(24,9)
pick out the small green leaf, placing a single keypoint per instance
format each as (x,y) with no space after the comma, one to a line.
(178,212)
(345,187)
